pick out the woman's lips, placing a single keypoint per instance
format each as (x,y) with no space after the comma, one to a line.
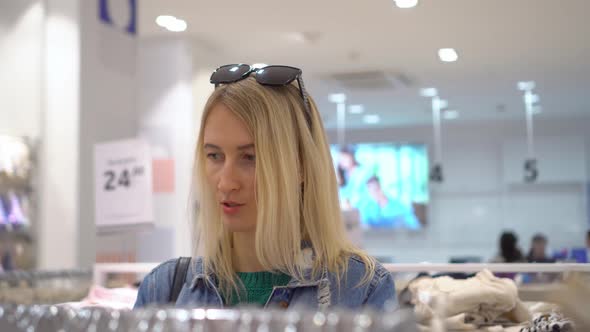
(231,208)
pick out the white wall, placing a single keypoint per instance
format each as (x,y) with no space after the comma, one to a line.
(473,205)
(21,34)
(108,104)
(171,95)
(166,106)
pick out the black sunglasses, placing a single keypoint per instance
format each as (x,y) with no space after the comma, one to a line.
(274,75)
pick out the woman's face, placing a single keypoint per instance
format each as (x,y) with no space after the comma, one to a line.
(230,168)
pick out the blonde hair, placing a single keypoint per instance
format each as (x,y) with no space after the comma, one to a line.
(296,189)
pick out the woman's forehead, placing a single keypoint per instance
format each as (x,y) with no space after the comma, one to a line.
(224,129)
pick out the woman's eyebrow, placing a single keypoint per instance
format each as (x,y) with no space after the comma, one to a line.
(241,147)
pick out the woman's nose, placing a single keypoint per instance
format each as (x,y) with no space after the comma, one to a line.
(228,180)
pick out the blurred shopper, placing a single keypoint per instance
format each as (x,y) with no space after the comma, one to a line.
(268,219)
(582,255)
(538,251)
(509,251)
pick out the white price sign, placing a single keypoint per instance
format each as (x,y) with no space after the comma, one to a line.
(123,183)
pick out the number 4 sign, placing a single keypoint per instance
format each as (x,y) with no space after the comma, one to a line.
(123,183)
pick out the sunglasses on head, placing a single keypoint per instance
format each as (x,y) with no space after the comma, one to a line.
(274,75)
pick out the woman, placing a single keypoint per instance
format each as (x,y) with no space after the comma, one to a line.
(509,251)
(268,221)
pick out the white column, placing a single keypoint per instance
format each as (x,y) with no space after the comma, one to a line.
(59,155)
(21,29)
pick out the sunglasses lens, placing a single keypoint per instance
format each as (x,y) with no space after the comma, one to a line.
(229,73)
(277,75)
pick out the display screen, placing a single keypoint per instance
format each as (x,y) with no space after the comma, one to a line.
(386,182)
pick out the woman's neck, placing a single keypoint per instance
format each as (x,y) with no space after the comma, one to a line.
(244,253)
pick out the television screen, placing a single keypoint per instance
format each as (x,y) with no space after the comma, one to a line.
(386,182)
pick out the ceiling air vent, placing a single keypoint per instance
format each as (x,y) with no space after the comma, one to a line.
(370,80)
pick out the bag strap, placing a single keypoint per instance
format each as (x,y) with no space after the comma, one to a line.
(180,272)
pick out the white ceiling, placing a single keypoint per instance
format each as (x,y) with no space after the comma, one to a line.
(499,42)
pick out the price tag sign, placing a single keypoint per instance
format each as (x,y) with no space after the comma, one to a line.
(123,183)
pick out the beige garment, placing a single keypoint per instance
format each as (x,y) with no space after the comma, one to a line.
(497,328)
(466,303)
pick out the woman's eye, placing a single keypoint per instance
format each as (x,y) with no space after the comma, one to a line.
(213,156)
(250,157)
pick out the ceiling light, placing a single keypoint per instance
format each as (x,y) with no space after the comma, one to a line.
(371,119)
(532,98)
(526,85)
(448,55)
(164,20)
(356,109)
(171,23)
(537,109)
(337,98)
(428,92)
(177,26)
(259,65)
(406,3)
(450,114)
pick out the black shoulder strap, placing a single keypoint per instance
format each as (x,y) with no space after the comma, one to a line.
(180,271)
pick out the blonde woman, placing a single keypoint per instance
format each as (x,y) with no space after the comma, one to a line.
(268,220)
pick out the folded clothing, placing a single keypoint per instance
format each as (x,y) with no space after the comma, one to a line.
(464,305)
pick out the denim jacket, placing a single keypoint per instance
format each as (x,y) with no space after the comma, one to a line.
(200,289)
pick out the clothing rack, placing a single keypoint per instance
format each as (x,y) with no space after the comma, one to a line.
(32,277)
(493,267)
(64,318)
(44,286)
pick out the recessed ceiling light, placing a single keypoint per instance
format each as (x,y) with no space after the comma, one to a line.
(371,119)
(171,23)
(406,3)
(164,20)
(356,109)
(450,114)
(337,98)
(448,55)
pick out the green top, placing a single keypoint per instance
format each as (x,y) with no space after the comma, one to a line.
(258,287)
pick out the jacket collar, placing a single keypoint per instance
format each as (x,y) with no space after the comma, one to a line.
(308,256)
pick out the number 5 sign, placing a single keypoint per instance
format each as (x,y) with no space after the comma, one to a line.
(123,183)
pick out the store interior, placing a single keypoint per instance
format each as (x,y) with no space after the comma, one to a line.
(471,117)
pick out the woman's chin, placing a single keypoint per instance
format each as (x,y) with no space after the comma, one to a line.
(237,225)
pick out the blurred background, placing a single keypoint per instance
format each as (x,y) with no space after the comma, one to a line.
(430,130)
